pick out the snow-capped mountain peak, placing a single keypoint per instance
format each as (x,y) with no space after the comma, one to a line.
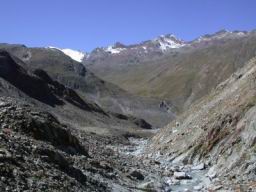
(168,42)
(162,43)
(75,55)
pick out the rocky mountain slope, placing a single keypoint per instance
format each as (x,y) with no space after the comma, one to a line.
(54,140)
(37,88)
(75,76)
(181,73)
(218,131)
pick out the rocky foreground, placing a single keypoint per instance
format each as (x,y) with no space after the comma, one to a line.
(38,153)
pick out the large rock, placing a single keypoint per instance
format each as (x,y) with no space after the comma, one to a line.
(151,186)
(212,173)
(181,175)
(200,166)
(41,126)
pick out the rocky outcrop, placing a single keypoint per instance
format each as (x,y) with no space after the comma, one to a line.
(139,122)
(40,126)
(35,151)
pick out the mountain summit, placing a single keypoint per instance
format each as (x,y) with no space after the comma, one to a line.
(168,41)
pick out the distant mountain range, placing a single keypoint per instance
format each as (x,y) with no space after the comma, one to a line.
(163,43)
(171,69)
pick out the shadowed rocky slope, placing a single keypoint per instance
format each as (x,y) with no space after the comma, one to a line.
(36,87)
(38,84)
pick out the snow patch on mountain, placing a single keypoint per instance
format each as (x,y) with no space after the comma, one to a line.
(73,54)
(76,55)
(114,50)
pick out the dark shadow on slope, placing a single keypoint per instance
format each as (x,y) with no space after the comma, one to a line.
(40,86)
(66,93)
(29,84)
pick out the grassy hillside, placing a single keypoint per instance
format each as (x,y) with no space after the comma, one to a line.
(182,75)
(219,130)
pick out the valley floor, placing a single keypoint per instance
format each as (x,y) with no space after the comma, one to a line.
(160,174)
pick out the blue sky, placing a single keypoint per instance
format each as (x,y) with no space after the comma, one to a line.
(86,24)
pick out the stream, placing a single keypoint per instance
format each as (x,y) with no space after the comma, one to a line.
(160,173)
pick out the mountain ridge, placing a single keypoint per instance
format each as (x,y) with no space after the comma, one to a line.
(164,43)
(190,70)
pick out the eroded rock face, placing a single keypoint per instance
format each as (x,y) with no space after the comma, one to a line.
(219,130)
